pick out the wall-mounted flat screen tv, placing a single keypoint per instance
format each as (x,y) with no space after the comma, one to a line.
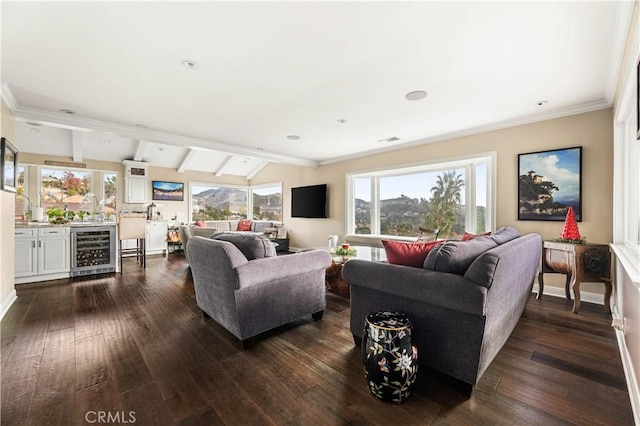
(309,201)
(168,191)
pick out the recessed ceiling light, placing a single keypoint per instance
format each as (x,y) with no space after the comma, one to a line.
(541,103)
(192,65)
(342,121)
(416,95)
(293,137)
(67,111)
(141,126)
(391,139)
(34,130)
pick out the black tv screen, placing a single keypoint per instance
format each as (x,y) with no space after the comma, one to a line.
(309,201)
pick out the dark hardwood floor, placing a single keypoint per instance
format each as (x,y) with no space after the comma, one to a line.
(134,349)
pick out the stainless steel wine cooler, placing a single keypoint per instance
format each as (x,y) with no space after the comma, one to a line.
(93,250)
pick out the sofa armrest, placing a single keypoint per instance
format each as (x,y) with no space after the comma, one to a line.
(270,269)
(436,288)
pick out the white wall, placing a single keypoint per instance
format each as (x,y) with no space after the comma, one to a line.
(7,207)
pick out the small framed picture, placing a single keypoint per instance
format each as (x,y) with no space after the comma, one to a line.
(8,166)
(282,233)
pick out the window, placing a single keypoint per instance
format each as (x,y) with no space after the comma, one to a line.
(68,189)
(216,202)
(452,196)
(23,204)
(267,202)
(109,191)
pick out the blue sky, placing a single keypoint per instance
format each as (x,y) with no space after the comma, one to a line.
(560,167)
(417,185)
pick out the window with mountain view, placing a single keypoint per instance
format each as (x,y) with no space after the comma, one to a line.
(451,196)
(267,202)
(217,202)
(226,202)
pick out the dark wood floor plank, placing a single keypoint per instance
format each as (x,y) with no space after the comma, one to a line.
(230,402)
(148,407)
(129,368)
(19,377)
(102,398)
(93,365)
(54,397)
(142,347)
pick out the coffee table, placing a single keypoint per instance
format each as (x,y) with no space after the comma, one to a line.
(334,281)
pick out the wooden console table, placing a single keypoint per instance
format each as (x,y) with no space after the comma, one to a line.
(579,262)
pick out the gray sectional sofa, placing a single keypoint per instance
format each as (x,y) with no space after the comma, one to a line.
(463,303)
(211,227)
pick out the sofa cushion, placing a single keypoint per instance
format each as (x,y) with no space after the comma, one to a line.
(261,226)
(251,245)
(244,225)
(218,225)
(408,254)
(456,256)
(504,234)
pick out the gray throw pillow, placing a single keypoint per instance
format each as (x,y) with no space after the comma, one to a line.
(504,234)
(456,256)
(251,245)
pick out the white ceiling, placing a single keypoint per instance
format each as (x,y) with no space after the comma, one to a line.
(272,69)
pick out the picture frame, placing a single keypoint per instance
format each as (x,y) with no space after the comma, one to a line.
(548,183)
(8,166)
(167,191)
(282,233)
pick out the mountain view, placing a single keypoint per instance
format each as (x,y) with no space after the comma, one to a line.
(231,203)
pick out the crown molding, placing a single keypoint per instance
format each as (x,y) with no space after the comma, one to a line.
(519,121)
(624,16)
(73,122)
(7,97)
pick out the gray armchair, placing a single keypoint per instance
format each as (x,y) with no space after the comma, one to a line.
(248,290)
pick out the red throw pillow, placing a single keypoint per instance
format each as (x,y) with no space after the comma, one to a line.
(469,236)
(200,224)
(244,225)
(408,254)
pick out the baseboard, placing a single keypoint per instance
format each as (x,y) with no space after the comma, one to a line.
(630,376)
(585,296)
(6,303)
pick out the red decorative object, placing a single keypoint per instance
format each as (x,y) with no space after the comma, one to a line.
(570,231)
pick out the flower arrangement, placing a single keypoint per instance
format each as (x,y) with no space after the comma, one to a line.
(350,251)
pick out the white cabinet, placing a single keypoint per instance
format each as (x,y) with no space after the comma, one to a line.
(135,190)
(135,181)
(156,238)
(42,254)
(26,252)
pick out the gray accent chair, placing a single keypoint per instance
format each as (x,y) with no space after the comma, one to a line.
(254,292)
(186,232)
(463,304)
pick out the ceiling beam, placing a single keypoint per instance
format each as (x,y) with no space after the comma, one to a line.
(225,163)
(257,170)
(77,139)
(74,122)
(186,160)
(142,147)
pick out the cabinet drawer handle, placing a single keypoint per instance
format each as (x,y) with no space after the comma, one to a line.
(39,243)
(33,244)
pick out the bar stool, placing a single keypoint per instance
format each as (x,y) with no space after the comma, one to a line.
(132,226)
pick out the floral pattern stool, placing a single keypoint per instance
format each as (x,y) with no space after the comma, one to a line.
(390,361)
